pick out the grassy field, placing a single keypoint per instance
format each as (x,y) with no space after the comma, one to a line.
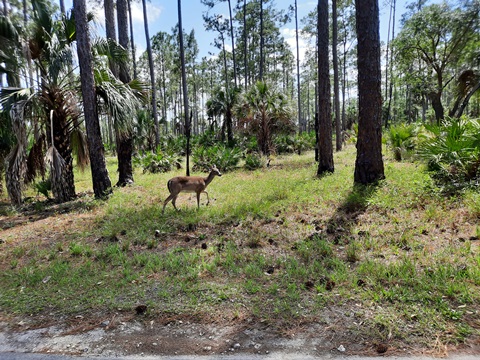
(398,262)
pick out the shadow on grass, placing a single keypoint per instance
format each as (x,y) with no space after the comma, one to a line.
(346,215)
(32,211)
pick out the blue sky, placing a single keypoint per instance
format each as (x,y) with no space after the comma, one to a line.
(163,16)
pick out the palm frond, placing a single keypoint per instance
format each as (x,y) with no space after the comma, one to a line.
(8,32)
(35,163)
(79,144)
(57,166)
(110,49)
(121,99)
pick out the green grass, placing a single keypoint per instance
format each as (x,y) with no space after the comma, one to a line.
(277,245)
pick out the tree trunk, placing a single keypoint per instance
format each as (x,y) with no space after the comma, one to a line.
(65,191)
(101,181)
(325,112)
(245,46)
(336,91)
(300,123)
(459,109)
(152,75)
(261,42)
(369,162)
(134,58)
(233,44)
(184,85)
(62,7)
(124,136)
(110,29)
(122,22)
(390,93)
(436,99)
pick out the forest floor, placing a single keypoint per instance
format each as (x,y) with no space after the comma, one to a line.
(300,266)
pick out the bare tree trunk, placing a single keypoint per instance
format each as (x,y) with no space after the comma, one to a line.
(261,42)
(336,91)
(369,162)
(152,74)
(325,113)
(233,44)
(101,182)
(245,47)
(134,57)
(62,7)
(300,123)
(124,136)
(389,67)
(184,85)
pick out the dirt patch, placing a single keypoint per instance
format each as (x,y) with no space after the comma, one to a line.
(121,335)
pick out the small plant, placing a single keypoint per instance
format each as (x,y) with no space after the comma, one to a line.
(77,249)
(401,139)
(43,187)
(254,161)
(352,252)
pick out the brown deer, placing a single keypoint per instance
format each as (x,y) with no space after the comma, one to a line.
(195,184)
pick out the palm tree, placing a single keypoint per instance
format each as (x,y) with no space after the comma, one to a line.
(265,111)
(51,51)
(222,103)
(369,162)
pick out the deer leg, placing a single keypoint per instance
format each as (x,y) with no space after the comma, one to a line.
(208,199)
(170,197)
(173,201)
(198,199)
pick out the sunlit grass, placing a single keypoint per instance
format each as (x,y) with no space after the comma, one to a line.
(280,241)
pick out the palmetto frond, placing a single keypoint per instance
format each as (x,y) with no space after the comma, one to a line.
(121,100)
(111,49)
(8,32)
(60,62)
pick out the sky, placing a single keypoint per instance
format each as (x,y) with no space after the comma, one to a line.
(163,16)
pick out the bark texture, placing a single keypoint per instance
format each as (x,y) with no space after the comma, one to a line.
(101,181)
(325,146)
(369,163)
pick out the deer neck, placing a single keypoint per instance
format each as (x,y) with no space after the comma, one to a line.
(209,178)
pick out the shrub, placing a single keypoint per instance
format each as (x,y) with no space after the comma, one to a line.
(401,138)
(452,151)
(223,157)
(298,143)
(254,161)
(158,162)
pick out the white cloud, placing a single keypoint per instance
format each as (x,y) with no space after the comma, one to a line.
(290,38)
(153,13)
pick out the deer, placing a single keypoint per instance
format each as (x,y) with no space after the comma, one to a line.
(196,184)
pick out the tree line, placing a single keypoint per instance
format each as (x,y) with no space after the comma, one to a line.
(55,105)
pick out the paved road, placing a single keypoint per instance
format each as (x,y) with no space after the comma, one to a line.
(272,356)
